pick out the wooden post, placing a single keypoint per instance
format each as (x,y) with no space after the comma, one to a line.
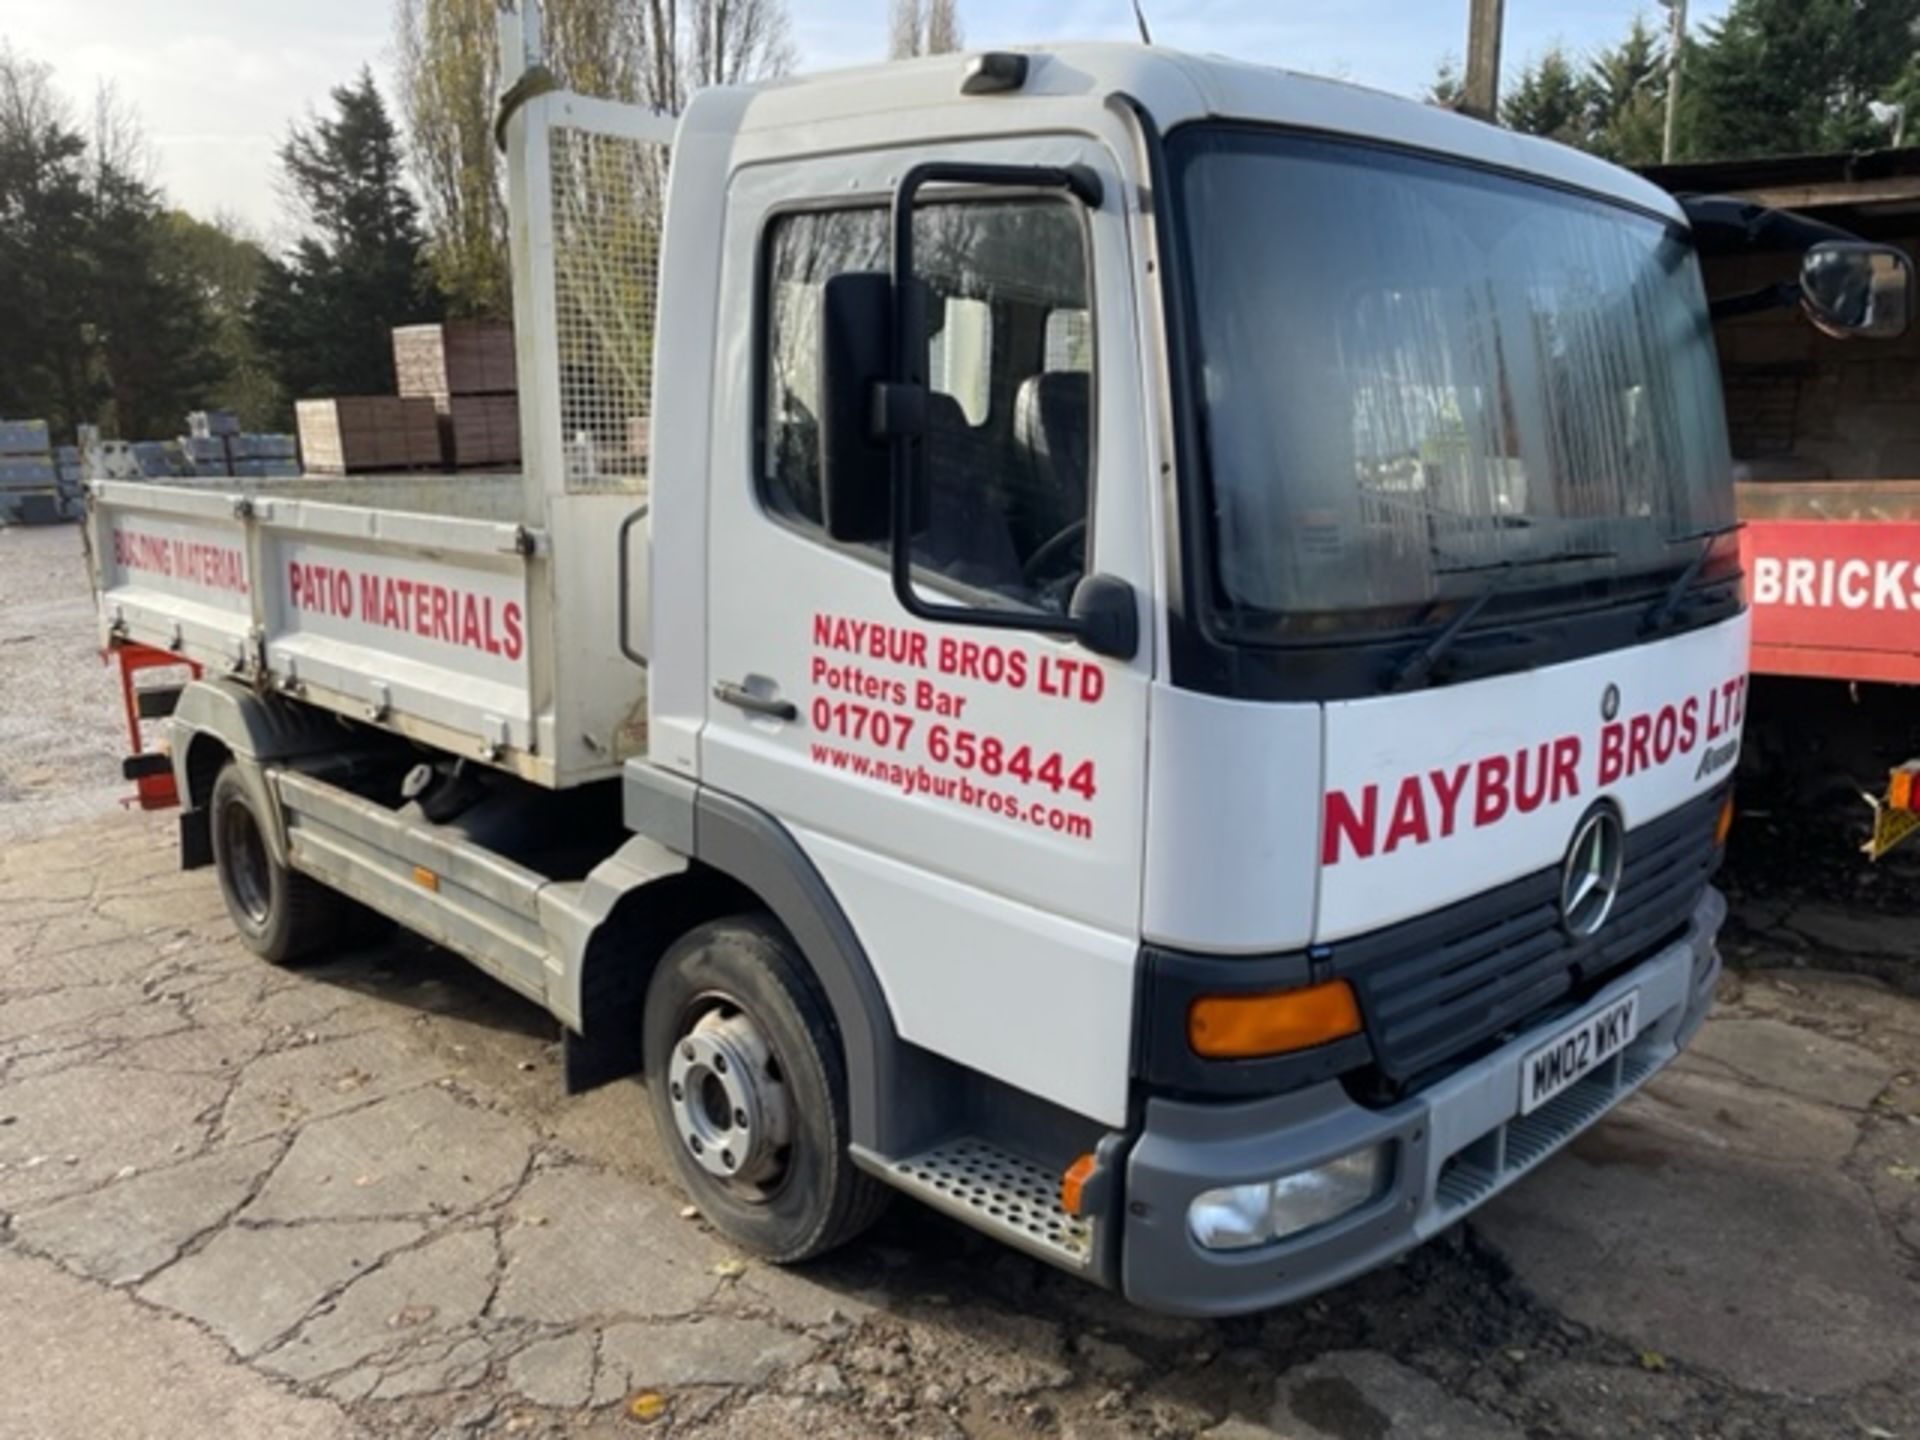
(1481,94)
(1676,48)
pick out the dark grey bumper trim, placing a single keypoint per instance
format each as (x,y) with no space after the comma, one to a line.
(1455,1144)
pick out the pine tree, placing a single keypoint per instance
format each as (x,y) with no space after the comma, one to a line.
(1775,77)
(151,324)
(96,324)
(1551,98)
(223,267)
(325,310)
(1629,89)
(46,271)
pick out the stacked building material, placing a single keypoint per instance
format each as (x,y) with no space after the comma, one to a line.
(461,357)
(70,479)
(223,449)
(466,368)
(208,424)
(260,454)
(205,454)
(29,480)
(483,430)
(159,459)
(354,433)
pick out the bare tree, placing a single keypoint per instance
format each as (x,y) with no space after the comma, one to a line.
(737,40)
(448,72)
(905,21)
(649,52)
(597,47)
(922,27)
(119,150)
(943,27)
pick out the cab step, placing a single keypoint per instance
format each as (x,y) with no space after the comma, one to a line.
(993,1190)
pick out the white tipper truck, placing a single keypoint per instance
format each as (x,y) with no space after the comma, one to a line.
(1144,649)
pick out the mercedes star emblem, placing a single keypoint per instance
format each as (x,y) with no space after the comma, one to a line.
(1590,881)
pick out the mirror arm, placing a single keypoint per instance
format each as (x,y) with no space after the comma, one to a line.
(1770,297)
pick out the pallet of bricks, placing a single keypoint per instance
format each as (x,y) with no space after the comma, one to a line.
(29,478)
(215,445)
(352,434)
(466,369)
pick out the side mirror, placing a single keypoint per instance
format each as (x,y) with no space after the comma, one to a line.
(1851,288)
(856,463)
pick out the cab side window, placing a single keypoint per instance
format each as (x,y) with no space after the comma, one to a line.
(1009,447)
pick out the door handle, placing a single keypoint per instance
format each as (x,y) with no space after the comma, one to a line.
(741,698)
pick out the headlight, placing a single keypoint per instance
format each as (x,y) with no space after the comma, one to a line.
(1239,1217)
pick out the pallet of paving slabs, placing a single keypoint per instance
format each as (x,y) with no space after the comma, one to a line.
(483,430)
(202,424)
(25,438)
(457,358)
(353,434)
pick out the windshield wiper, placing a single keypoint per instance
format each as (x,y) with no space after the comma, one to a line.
(1420,664)
(1661,615)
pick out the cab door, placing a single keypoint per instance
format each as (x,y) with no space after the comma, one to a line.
(973,797)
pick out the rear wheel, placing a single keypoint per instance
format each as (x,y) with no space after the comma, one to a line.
(747,1085)
(282,916)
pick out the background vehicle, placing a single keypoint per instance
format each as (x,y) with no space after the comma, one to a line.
(1826,438)
(1080,655)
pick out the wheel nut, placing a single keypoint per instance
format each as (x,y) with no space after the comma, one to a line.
(676,1091)
(687,1052)
(719,1064)
(726,1158)
(693,1143)
(739,1119)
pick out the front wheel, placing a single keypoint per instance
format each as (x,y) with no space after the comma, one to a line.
(748,1090)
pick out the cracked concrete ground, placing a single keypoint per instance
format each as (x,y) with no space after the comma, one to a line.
(353,1201)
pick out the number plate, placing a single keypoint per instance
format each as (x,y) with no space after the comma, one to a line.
(1575,1051)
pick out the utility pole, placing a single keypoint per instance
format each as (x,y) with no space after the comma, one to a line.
(1480,96)
(1676,47)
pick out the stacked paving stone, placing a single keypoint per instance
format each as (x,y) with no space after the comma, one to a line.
(29,478)
(466,368)
(215,445)
(351,434)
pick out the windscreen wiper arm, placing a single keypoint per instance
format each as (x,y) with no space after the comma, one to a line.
(1661,616)
(1420,664)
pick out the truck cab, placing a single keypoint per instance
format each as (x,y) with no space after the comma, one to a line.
(1167,685)
(1311,378)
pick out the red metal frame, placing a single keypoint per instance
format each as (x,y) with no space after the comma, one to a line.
(151,792)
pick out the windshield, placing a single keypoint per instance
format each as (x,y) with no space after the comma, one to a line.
(1415,375)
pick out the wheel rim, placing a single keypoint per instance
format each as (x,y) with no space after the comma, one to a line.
(727,1092)
(247,868)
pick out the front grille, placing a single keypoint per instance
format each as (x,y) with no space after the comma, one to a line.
(1437,987)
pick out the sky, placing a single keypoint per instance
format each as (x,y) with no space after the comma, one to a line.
(217,83)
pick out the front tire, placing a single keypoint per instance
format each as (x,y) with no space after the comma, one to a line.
(282,915)
(747,1085)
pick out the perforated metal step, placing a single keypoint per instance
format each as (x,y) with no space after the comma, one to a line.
(1007,1196)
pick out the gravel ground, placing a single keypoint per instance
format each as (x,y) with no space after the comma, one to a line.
(353,1201)
(61,735)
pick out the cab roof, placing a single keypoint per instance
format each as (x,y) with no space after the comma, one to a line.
(1174,88)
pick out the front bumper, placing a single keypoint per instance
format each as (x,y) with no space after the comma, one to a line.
(1455,1144)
